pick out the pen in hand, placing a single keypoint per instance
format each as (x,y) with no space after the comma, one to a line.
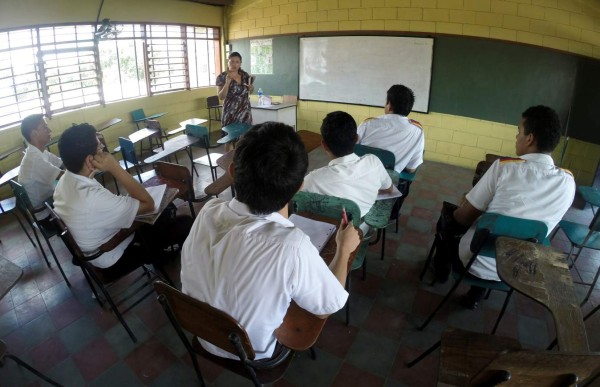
(344,216)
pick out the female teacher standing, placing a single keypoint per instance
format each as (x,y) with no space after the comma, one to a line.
(234,87)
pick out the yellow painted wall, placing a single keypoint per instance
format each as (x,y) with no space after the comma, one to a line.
(16,13)
(568,25)
(180,105)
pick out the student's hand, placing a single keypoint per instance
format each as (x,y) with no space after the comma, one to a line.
(105,162)
(347,238)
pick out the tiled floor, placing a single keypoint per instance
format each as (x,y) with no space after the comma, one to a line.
(63,332)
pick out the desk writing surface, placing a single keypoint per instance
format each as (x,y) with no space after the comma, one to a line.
(171,146)
(10,175)
(542,273)
(107,124)
(141,134)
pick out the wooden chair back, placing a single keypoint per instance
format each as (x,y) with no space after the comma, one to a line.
(311,140)
(179,173)
(212,102)
(202,320)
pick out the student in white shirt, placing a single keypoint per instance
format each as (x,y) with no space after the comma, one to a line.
(528,187)
(394,131)
(95,215)
(39,168)
(246,258)
(347,176)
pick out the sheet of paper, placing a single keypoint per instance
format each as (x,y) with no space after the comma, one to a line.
(318,232)
(157,193)
(395,194)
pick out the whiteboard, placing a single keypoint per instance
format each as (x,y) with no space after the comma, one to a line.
(360,69)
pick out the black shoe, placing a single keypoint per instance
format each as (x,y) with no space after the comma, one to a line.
(468,302)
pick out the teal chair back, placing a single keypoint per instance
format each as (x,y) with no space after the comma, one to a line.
(408,176)
(387,158)
(128,151)
(200,132)
(331,207)
(138,114)
(327,206)
(491,225)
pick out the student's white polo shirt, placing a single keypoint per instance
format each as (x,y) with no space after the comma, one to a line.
(251,267)
(397,134)
(37,174)
(94,215)
(529,188)
(351,177)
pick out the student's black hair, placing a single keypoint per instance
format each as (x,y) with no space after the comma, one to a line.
(339,133)
(401,98)
(75,144)
(235,53)
(29,124)
(269,167)
(544,124)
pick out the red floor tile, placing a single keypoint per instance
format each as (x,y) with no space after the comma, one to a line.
(95,358)
(67,312)
(149,360)
(337,338)
(210,371)
(151,314)
(387,322)
(352,376)
(423,374)
(48,354)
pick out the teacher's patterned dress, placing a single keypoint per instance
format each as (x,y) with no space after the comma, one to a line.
(236,106)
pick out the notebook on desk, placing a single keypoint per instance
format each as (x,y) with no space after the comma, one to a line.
(318,232)
(394,194)
(167,196)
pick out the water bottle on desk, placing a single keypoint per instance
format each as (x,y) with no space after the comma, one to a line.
(260,97)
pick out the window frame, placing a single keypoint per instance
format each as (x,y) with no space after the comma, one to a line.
(210,41)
